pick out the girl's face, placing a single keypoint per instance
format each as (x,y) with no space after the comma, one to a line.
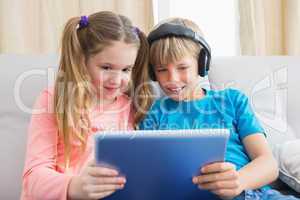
(111,69)
(178,79)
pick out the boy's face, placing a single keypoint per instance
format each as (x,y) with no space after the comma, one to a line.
(178,79)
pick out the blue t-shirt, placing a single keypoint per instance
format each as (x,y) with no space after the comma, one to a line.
(228,109)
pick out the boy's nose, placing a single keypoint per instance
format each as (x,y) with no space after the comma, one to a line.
(173,76)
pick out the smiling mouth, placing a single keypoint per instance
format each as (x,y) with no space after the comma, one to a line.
(176,90)
(111,88)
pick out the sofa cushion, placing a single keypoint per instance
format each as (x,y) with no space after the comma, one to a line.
(288,157)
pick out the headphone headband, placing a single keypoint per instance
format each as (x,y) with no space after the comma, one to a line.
(169,29)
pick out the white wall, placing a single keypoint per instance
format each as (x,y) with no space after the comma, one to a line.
(216,18)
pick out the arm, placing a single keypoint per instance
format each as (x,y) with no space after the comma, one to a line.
(222,178)
(263,168)
(42,180)
(40,177)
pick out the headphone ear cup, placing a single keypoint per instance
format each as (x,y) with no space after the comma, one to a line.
(202,63)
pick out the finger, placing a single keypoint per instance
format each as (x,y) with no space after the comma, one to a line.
(102,188)
(219,185)
(100,195)
(106,180)
(218,167)
(227,175)
(101,171)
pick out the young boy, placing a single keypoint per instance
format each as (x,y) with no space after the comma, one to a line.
(179,57)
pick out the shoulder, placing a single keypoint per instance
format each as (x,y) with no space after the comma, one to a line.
(124,99)
(45,98)
(228,100)
(228,94)
(48,91)
(156,108)
(160,104)
(124,104)
(152,118)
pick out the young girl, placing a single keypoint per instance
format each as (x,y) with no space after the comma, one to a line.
(103,60)
(179,57)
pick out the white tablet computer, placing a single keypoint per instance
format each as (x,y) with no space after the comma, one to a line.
(160,164)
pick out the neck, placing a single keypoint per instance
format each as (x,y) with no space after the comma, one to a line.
(194,94)
(102,101)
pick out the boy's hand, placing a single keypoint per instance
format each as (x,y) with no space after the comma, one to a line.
(220,178)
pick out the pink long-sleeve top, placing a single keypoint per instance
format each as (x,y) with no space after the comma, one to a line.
(44,176)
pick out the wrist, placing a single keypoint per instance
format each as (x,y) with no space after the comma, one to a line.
(75,188)
(243,183)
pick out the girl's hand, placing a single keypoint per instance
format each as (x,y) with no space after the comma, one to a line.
(95,182)
(220,178)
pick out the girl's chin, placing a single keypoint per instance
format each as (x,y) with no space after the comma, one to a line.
(106,99)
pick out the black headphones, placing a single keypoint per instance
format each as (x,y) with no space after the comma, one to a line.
(171,29)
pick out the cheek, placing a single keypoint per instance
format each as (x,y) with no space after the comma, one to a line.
(98,78)
(161,77)
(185,76)
(191,74)
(126,79)
(96,82)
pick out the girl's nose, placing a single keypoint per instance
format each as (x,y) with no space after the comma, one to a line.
(115,78)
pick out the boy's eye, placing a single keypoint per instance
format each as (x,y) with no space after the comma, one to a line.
(105,67)
(161,70)
(182,67)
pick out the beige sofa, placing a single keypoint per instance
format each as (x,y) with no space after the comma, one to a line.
(272,84)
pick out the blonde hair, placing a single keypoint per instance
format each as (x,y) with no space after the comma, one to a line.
(73,93)
(170,49)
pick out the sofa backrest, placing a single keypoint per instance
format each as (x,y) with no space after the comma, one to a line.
(23,78)
(272,85)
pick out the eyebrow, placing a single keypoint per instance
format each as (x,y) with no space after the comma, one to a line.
(160,65)
(182,64)
(110,64)
(177,65)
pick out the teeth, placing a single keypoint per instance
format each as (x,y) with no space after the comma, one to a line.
(175,90)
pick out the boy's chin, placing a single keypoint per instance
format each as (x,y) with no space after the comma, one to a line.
(177,97)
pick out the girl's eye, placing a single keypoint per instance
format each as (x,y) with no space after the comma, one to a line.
(127,70)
